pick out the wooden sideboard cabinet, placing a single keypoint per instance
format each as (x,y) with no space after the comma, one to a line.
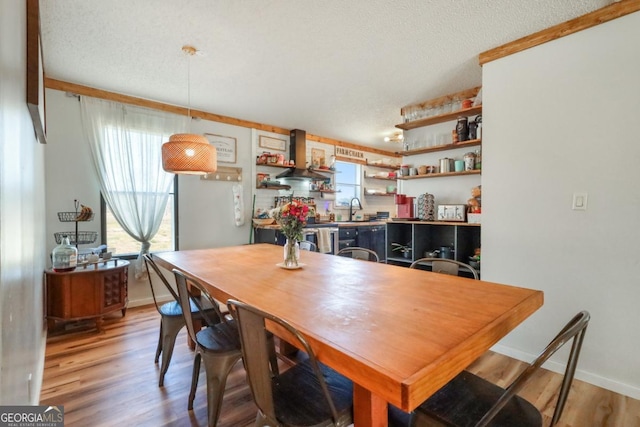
(88,292)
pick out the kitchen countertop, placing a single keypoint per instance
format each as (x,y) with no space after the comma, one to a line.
(359,223)
(371,223)
(331,224)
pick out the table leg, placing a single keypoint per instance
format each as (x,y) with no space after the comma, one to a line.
(368,409)
(287,349)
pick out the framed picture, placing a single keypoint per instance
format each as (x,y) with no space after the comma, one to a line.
(225,147)
(317,157)
(35,72)
(272,143)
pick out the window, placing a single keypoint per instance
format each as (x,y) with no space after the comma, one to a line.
(166,239)
(347,183)
(126,146)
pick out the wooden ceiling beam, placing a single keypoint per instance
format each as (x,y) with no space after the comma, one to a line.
(141,102)
(597,17)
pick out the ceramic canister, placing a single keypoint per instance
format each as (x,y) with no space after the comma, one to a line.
(469,161)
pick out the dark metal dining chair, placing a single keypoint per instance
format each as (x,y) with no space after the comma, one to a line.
(359,253)
(307,394)
(171,319)
(217,346)
(306,245)
(445,266)
(469,400)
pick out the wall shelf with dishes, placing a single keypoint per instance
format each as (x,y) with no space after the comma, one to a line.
(275,165)
(378,192)
(441,174)
(379,164)
(383,178)
(391,175)
(321,170)
(274,187)
(447,108)
(445,147)
(324,191)
(440,110)
(441,118)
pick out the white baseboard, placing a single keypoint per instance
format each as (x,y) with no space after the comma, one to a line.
(148,301)
(597,380)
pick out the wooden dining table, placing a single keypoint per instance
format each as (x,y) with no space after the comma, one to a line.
(399,334)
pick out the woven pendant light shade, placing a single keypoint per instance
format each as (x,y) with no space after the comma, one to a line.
(188,153)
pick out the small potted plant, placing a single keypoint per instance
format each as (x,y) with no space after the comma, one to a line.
(405,250)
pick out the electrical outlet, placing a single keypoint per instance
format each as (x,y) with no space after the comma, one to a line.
(579,202)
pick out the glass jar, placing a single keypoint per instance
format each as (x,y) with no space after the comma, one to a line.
(291,253)
(64,256)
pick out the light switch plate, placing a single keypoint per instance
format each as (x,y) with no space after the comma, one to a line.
(579,202)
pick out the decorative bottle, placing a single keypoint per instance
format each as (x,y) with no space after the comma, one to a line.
(473,130)
(478,162)
(64,256)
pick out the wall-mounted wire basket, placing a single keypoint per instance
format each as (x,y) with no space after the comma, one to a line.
(74,216)
(79,237)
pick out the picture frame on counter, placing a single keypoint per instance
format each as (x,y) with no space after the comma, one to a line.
(226,147)
(272,143)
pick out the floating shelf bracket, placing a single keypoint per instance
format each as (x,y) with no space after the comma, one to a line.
(224,173)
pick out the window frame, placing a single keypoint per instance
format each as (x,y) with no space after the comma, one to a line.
(176,234)
(358,186)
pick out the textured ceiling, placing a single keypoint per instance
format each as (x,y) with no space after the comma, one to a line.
(339,69)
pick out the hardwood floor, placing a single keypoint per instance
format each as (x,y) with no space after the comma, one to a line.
(109,379)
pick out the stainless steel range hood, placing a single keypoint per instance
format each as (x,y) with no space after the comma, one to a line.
(298,153)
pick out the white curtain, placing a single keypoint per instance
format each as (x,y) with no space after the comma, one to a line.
(126,146)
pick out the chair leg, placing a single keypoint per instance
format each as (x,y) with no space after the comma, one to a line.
(261,420)
(194,379)
(170,328)
(569,373)
(217,369)
(159,348)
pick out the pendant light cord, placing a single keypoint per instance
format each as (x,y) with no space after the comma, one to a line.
(189,89)
(189,51)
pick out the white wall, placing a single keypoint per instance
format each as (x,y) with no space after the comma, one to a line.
(561,118)
(206,207)
(22,253)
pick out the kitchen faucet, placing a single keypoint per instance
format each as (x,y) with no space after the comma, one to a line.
(351,207)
